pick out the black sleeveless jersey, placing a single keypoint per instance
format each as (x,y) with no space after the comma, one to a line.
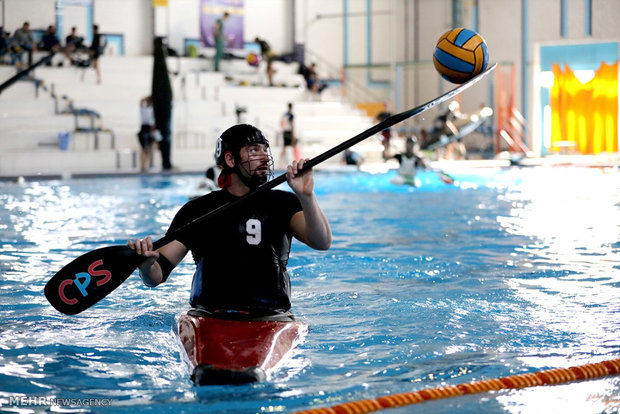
(240,254)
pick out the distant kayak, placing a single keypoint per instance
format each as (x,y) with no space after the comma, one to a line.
(237,348)
(400,180)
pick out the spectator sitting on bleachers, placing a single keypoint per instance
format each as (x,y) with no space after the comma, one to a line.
(50,42)
(315,85)
(24,42)
(75,51)
(73,43)
(4,43)
(14,50)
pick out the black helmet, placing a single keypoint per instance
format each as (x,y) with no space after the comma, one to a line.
(232,140)
(235,138)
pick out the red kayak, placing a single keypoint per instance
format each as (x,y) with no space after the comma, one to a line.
(237,348)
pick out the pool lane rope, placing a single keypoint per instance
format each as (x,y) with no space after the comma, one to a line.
(549,377)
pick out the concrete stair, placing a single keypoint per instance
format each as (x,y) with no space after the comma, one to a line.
(204,106)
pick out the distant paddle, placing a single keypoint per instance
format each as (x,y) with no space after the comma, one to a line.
(444,177)
(94,275)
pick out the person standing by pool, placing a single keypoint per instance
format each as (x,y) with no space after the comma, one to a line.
(386,134)
(96,50)
(147,132)
(288,134)
(241,257)
(220,40)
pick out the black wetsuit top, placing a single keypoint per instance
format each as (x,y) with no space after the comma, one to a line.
(241,254)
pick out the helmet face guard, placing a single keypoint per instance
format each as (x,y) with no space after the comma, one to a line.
(257,169)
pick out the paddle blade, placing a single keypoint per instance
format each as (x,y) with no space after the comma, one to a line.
(445,177)
(90,278)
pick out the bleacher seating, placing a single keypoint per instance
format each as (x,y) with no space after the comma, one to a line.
(205,103)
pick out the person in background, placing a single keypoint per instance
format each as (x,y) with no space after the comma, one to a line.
(25,41)
(313,82)
(5,41)
(96,50)
(240,113)
(288,134)
(269,56)
(147,132)
(73,43)
(209,183)
(270,71)
(265,48)
(351,157)
(456,150)
(443,123)
(486,127)
(49,41)
(386,134)
(241,255)
(409,161)
(219,38)
(443,128)
(211,176)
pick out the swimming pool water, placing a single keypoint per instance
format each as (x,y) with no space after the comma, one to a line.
(507,271)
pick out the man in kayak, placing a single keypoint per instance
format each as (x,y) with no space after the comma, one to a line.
(241,255)
(409,161)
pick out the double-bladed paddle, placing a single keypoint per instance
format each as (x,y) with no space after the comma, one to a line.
(94,275)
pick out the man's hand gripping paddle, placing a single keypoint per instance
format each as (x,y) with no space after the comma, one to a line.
(94,275)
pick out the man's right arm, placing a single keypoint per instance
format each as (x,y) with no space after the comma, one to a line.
(154,269)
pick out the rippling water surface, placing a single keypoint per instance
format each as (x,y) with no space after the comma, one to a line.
(508,271)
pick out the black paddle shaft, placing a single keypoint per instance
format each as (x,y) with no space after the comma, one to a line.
(92,276)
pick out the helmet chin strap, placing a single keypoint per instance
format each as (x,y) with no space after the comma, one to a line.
(253,181)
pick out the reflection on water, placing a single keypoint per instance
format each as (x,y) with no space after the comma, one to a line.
(506,272)
(571,214)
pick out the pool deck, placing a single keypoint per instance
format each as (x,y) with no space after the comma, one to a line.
(591,161)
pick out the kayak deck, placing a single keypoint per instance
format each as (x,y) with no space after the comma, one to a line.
(225,350)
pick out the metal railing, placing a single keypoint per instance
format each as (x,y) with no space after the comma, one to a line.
(350,89)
